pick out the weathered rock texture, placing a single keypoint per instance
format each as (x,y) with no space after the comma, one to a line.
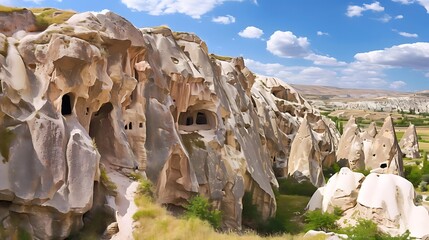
(97,89)
(409,143)
(386,199)
(370,149)
(20,19)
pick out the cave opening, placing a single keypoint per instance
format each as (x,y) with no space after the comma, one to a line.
(201,119)
(189,121)
(66,108)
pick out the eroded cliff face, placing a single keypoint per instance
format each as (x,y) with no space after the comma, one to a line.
(95,89)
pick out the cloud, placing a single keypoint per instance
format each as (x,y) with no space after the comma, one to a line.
(320,33)
(192,8)
(412,55)
(104,11)
(409,35)
(354,75)
(35,1)
(356,11)
(251,32)
(227,19)
(386,18)
(399,17)
(423,3)
(287,45)
(324,60)
(397,84)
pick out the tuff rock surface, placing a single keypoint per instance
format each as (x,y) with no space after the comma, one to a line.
(369,149)
(386,199)
(97,90)
(409,143)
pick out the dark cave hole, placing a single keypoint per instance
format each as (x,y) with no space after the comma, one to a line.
(201,118)
(66,108)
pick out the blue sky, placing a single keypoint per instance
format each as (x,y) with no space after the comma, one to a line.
(358,44)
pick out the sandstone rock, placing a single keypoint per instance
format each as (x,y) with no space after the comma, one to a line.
(21,19)
(96,89)
(409,143)
(385,153)
(350,148)
(386,199)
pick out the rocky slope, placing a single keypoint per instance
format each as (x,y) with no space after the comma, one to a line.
(96,91)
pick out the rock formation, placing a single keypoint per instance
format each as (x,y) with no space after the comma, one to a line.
(386,199)
(369,149)
(409,143)
(95,89)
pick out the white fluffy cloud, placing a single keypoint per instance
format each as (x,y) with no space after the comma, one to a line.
(193,8)
(409,35)
(356,11)
(399,17)
(397,84)
(227,19)
(423,3)
(412,55)
(386,18)
(287,45)
(251,32)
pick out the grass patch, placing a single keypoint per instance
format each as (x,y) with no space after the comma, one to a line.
(6,9)
(290,210)
(48,16)
(289,186)
(165,226)
(193,140)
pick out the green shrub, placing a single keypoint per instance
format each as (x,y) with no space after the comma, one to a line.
(419,199)
(199,207)
(413,174)
(423,186)
(106,182)
(318,220)
(146,188)
(367,230)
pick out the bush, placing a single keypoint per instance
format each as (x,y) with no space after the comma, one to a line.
(290,186)
(146,188)
(423,186)
(425,178)
(367,229)
(413,174)
(419,199)
(199,207)
(317,220)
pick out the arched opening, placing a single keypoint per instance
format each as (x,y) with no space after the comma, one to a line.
(383,165)
(66,107)
(201,119)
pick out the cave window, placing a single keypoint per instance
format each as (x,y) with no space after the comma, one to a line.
(201,118)
(87,111)
(175,60)
(66,108)
(126,126)
(383,165)
(189,121)
(130,126)
(140,125)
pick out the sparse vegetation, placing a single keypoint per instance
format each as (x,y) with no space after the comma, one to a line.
(107,183)
(199,207)
(6,9)
(367,230)
(48,16)
(221,58)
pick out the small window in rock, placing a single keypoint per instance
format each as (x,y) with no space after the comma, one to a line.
(383,165)
(201,118)
(126,127)
(130,125)
(140,125)
(66,108)
(189,121)
(87,111)
(175,60)
(373,155)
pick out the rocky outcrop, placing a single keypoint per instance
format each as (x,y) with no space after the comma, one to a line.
(409,143)
(16,20)
(386,199)
(95,89)
(370,149)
